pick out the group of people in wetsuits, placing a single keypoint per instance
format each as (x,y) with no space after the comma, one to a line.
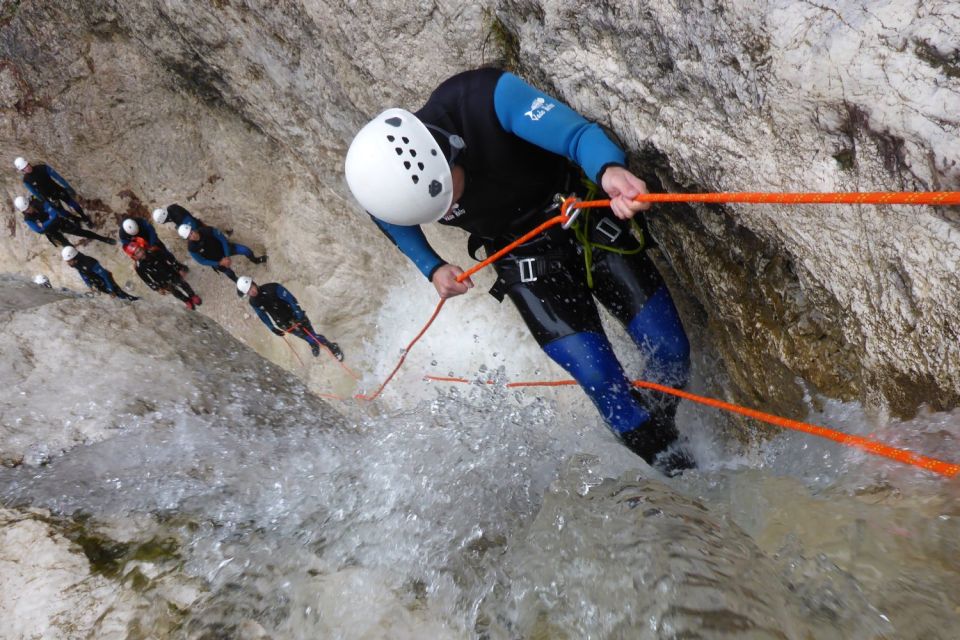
(52,209)
(490,154)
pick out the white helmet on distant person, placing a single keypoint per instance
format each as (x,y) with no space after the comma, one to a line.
(21,203)
(398,172)
(131,227)
(243,284)
(69,253)
(20,164)
(159,215)
(41,280)
(184,231)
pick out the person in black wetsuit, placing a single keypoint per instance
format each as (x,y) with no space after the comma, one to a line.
(490,154)
(93,274)
(46,184)
(208,246)
(161,273)
(50,220)
(282,314)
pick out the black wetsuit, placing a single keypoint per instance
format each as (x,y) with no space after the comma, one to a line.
(52,221)
(161,272)
(43,182)
(96,277)
(280,311)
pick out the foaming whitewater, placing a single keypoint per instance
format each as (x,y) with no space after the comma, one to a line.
(209,495)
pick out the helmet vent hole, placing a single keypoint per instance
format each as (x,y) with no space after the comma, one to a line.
(399,151)
(420,164)
(405,139)
(390,138)
(416,178)
(413,152)
(406,164)
(394,122)
(433,152)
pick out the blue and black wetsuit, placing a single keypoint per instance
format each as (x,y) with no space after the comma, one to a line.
(50,220)
(212,247)
(519,146)
(282,314)
(98,278)
(46,184)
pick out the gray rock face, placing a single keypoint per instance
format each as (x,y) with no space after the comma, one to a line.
(244,108)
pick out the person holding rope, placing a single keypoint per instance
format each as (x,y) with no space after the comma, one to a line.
(280,311)
(490,154)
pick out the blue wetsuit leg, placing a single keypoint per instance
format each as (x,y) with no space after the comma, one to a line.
(589,358)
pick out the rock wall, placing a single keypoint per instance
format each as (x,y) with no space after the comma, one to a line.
(242,110)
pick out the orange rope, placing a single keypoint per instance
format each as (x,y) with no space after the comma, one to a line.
(933,198)
(403,357)
(947,469)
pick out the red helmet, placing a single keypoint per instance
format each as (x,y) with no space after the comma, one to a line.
(131,248)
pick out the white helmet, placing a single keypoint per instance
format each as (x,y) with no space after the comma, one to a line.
(21,203)
(184,230)
(69,253)
(41,280)
(243,284)
(159,215)
(131,227)
(397,171)
(20,164)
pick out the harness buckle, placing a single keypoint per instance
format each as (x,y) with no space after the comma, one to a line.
(609,229)
(527,271)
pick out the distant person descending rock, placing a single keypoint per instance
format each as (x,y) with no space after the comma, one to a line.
(132,228)
(176,215)
(45,183)
(160,272)
(94,275)
(490,154)
(50,220)
(282,314)
(210,247)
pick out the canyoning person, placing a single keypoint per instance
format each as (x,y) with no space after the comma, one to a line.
(46,184)
(176,215)
(210,247)
(160,272)
(490,154)
(282,314)
(140,228)
(93,274)
(48,219)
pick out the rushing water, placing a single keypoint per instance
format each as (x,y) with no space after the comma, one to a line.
(485,512)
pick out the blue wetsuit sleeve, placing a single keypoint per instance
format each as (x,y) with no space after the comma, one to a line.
(223,241)
(85,279)
(35,226)
(103,275)
(548,123)
(287,297)
(151,234)
(51,216)
(414,245)
(57,177)
(265,318)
